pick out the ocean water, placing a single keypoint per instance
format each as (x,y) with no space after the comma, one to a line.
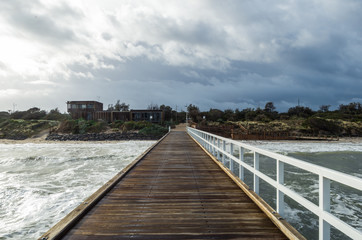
(346,202)
(40,183)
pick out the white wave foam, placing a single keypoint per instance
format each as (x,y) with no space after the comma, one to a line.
(41,183)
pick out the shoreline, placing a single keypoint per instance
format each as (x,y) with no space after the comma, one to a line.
(42,140)
(46,138)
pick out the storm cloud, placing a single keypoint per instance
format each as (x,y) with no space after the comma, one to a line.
(215,54)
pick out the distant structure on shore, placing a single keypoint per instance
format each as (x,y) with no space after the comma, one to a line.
(93,110)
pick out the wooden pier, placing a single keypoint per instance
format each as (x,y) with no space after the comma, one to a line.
(175,191)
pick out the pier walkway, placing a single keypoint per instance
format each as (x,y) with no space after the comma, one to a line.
(176,191)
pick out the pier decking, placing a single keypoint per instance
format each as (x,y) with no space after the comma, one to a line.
(175,192)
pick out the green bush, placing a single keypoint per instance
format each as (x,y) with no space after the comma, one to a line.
(131,125)
(68,126)
(96,126)
(81,126)
(4,115)
(320,124)
(54,114)
(19,129)
(127,126)
(117,124)
(154,130)
(141,125)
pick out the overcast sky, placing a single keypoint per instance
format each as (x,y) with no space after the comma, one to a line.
(214,54)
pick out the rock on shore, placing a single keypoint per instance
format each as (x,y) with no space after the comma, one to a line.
(100,137)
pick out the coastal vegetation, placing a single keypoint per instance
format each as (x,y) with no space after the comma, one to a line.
(35,122)
(344,121)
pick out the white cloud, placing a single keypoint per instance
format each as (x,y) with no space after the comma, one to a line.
(83,47)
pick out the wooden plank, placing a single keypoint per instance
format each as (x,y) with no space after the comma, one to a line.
(175,192)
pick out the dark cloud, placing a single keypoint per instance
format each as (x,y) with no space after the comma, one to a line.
(215,54)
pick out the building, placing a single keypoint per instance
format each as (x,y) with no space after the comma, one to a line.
(154,116)
(92,110)
(112,116)
(84,109)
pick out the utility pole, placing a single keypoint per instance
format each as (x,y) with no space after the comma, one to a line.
(186,113)
(14,106)
(176,113)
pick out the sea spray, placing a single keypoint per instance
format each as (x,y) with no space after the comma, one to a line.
(40,183)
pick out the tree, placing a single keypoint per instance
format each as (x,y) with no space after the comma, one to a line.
(167,110)
(269,107)
(214,115)
(54,114)
(351,108)
(153,106)
(32,113)
(194,113)
(239,115)
(324,108)
(123,107)
(300,111)
(110,107)
(228,115)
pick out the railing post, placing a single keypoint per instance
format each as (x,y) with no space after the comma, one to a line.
(203,139)
(223,154)
(256,168)
(218,151)
(212,142)
(280,195)
(231,160)
(324,205)
(207,142)
(241,168)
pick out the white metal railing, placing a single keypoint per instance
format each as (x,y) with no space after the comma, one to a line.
(216,145)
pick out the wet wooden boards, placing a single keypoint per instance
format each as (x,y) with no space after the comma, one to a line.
(175,192)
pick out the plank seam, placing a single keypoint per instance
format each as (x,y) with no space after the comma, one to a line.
(282,224)
(72,218)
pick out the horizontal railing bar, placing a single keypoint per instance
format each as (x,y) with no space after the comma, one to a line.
(341,226)
(300,199)
(333,175)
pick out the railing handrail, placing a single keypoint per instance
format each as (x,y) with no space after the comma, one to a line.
(310,167)
(208,140)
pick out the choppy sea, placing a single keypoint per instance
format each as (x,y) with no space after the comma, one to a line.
(41,182)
